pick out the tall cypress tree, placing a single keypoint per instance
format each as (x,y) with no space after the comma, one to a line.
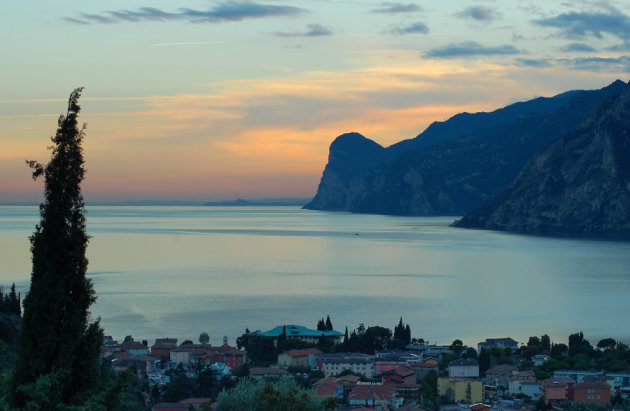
(329,326)
(59,343)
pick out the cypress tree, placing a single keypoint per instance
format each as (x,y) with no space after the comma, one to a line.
(329,326)
(59,343)
(321,325)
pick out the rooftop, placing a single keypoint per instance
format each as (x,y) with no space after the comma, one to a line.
(297,331)
(303,353)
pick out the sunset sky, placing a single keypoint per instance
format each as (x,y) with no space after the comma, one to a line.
(212,100)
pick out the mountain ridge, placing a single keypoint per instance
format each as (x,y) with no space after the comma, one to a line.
(458,168)
(578,184)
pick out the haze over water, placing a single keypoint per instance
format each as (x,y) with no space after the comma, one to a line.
(178,271)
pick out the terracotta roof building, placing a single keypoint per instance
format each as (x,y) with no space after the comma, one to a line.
(592,393)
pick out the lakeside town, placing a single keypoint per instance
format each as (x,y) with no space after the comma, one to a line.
(373,368)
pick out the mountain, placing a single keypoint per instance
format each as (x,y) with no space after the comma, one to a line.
(453,167)
(579,184)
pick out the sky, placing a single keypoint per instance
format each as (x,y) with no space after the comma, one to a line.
(217,100)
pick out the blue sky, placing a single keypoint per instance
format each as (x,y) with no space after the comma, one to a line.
(210,100)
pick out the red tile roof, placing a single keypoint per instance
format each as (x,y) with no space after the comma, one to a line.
(556,381)
(593,384)
(403,371)
(423,365)
(326,387)
(349,378)
(502,369)
(384,392)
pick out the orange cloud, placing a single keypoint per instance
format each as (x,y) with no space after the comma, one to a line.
(262,137)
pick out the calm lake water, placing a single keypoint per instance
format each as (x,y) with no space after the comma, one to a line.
(178,271)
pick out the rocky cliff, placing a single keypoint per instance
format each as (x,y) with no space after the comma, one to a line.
(453,167)
(579,184)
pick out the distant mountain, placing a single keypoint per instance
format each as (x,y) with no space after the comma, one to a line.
(453,167)
(579,184)
(269,202)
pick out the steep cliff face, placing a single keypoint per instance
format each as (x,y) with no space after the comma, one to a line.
(454,166)
(350,155)
(579,184)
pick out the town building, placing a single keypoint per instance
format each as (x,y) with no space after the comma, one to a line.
(558,389)
(498,342)
(621,380)
(577,375)
(400,375)
(461,389)
(597,393)
(388,360)
(422,369)
(334,363)
(532,389)
(430,350)
(299,332)
(162,347)
(374,397)
(462,368)
(539,359)
(134,348)
(517,378)
(500,376)
(299,358)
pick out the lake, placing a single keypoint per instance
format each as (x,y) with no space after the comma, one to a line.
(178,271)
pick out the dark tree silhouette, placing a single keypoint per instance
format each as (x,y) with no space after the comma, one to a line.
(329,326)
(58,341)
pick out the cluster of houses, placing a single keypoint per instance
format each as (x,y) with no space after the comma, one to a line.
(388,379)
(165,353)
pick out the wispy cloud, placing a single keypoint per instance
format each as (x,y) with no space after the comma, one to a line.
(579,25)
(414,28)
(479,14)
(538,63)
(599,63)
(395,8)
(589,64)
(224,11)
(579,47)
(313,30)
(189,43)
(469,49)
(620,47)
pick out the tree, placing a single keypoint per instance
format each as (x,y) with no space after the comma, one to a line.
(545,343)
(484,360)
(321,325)
(607,344)
(282,394)
(58,343)
(204,338)
(429,387)
(329,326)
(13,303)
(579,345)
(470,353)
(402,335)
(457,346)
